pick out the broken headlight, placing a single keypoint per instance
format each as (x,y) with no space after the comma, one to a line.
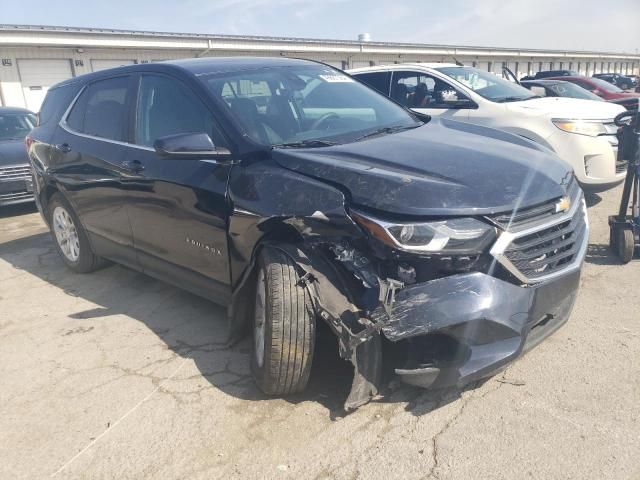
(451,236)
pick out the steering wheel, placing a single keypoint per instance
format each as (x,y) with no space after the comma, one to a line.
(322,119)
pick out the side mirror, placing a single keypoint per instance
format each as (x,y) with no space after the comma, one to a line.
(188,146)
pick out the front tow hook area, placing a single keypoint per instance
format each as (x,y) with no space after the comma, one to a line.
(462,328)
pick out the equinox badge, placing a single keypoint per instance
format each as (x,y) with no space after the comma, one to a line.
(204,246)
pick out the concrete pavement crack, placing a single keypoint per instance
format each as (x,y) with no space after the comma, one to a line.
(501,381)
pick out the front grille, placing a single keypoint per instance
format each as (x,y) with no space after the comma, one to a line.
(15,196)
(19,172)
(536,215)
(550,249)
(544,242)
(610,127)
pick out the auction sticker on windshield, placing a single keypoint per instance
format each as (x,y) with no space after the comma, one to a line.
(335,78)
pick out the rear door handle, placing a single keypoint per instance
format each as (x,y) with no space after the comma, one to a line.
(63,147)
(134,166)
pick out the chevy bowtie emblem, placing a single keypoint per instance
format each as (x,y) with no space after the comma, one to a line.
(563,205)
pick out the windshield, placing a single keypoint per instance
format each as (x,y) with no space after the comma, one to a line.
(310,105)
(487,84)
(566,89)
(606,85)
(16,126)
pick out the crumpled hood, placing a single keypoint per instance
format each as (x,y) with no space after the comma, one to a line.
(442,168)
(560,107)
(13,152)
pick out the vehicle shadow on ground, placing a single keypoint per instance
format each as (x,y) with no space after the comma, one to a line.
(195,328)
(592,199)
(601,254)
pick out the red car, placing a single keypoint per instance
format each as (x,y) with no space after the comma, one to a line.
(599,87)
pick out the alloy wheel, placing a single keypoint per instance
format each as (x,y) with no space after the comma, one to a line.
(66,234)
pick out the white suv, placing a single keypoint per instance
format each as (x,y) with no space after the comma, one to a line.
(581,132)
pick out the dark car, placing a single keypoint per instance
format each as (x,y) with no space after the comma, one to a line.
(600,88)
(623,82)
(559,88)
(550,73)
(293,194)
(16,185)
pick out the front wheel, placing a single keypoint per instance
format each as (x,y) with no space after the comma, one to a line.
(283,327)
(70,237)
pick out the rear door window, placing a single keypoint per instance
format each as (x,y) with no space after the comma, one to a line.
(376,80)
(56,103)
(101,109)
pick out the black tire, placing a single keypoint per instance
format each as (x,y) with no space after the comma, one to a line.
(86,261)
(288,336)
(626,245)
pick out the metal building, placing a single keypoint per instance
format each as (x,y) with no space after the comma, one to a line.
(35,57)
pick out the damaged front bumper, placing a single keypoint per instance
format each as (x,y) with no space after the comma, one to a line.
(478,324)
(453,330)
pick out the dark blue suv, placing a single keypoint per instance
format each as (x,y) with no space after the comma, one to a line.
(293,194)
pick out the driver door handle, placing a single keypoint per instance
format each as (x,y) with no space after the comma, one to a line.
(134,166)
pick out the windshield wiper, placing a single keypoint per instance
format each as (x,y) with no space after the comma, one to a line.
(516,99)
(305,144)
(380,131)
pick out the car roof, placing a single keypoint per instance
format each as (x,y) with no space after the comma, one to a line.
(194,66)
(544,81)
(199,66)
(396,66)
(15,110)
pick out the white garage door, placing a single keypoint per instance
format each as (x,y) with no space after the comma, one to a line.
(103,64)
(37,76)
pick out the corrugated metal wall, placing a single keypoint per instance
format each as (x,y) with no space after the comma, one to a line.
(13,91)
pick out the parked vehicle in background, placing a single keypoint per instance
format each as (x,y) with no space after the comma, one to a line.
(550,73)
(293,194)
(630,103)
(16,184)
(599,87)
(559,88)
(562,88)
(623,82)
(581,132)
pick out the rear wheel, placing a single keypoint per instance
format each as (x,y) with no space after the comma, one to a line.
(70,237)
(283,327)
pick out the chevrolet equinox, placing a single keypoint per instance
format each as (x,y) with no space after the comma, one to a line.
(295,195)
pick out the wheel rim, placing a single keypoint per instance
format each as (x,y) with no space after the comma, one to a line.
(66,234)
(260,319)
